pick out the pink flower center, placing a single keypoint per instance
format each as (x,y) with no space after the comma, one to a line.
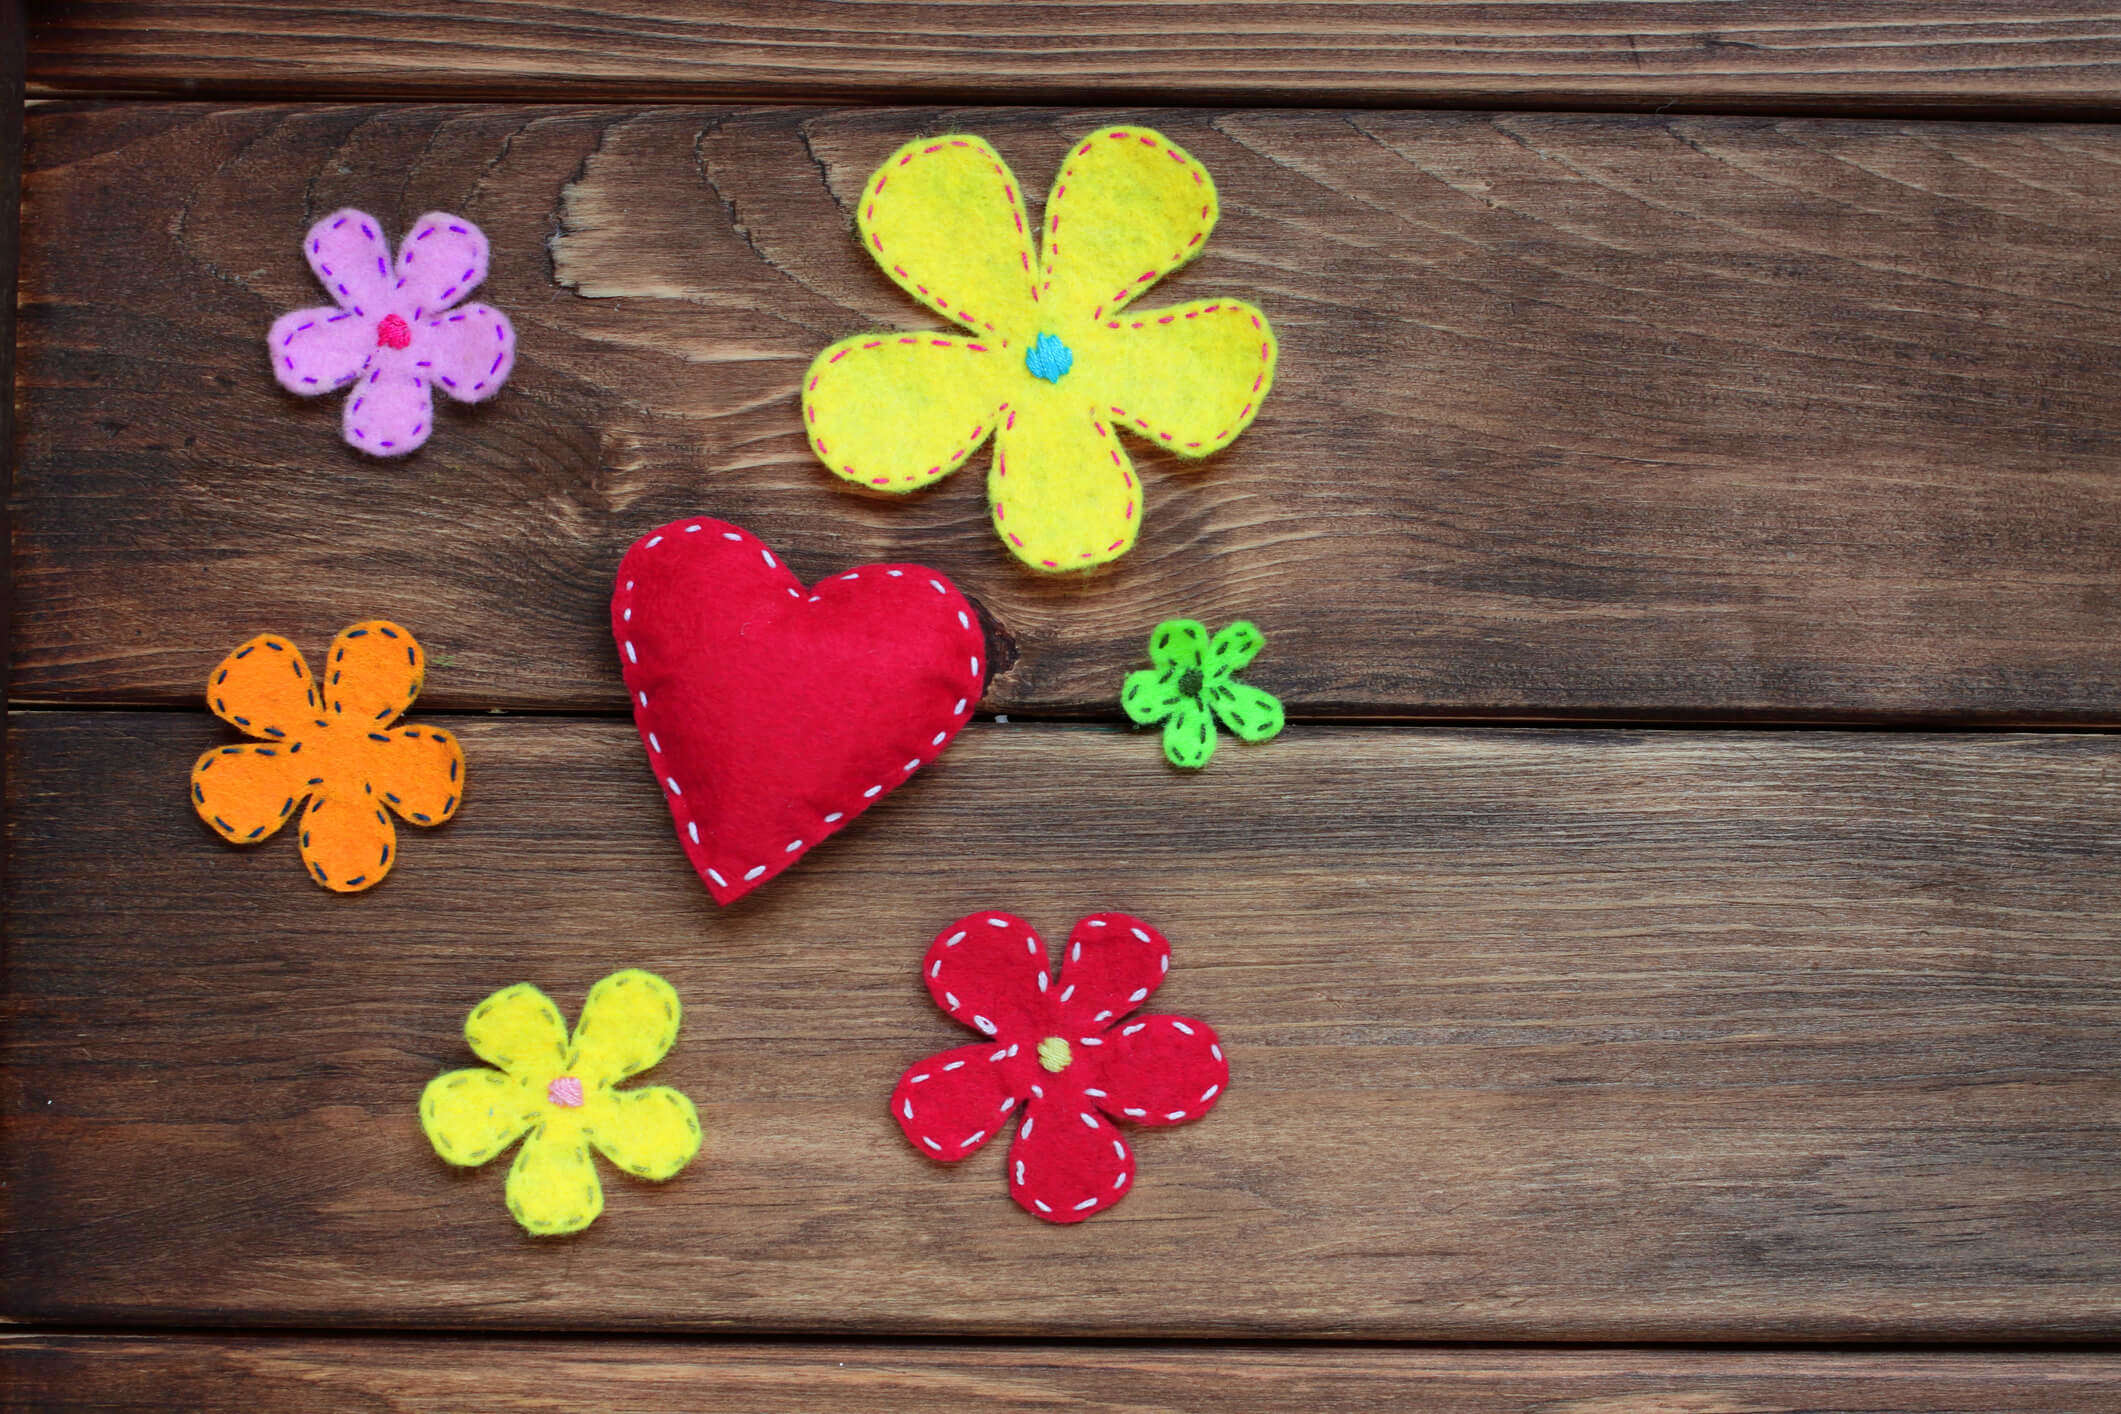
(566,1092)
(396,333)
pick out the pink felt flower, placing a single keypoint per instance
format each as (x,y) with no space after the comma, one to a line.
(1065,1051)
(395,331)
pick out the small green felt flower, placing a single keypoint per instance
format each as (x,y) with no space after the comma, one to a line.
(1193,683)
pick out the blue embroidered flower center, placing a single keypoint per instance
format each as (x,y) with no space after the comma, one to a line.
(1049,358)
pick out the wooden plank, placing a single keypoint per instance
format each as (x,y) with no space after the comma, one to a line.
(63,1372)
(1578,417)
(1536,1035)
(11,59)
(2034,56)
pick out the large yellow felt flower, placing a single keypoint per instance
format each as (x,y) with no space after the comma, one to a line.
(559,1090)
(1057,362)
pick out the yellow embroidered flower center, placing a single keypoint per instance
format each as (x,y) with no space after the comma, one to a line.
(566,1092)
(1054,1054)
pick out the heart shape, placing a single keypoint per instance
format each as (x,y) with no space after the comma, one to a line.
(774,714)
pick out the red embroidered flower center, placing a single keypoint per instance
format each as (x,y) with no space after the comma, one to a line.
(395,333)
(566,1092)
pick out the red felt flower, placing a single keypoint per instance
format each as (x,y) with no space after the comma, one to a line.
(1066,1051)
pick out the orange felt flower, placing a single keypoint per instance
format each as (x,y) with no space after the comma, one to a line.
(330,743)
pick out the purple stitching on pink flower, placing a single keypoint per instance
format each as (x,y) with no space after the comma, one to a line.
(399,339)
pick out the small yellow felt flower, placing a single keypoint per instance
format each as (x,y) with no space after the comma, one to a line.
(1057,363)
(560,1091)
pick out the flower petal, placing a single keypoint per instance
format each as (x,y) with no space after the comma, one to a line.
(1114,961)
(520,1030)
(552,1186)
(1063,492)
(468,354)
(629,1022)
(1189,735)
(899,411)
(1068,1163)
(472,1115)
(391,411)
(373,673)
(944,217)
(1189,379)
(418,772)
(246,792)
(1151,694)
(989,970)
(348,842)
(1232,649)
(1179,643)
(441,259)
(319,350)
(1162,1070)
(350,256)
(651,1132)
(1128,207)
(264,688)
(951,1104)
(1252,714)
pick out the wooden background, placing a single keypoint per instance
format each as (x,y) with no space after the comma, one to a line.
(1670,961)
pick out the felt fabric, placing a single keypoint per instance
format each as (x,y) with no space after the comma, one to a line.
(396,332)
(559,1091)
(1057,361)
(773,713)
(1194,685)
(1067,1054)
(330,743)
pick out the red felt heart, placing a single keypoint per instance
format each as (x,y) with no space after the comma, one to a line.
(774,714)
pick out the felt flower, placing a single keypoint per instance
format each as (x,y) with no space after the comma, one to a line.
(396,331)
(1057,362)
(1193,684)
(561,1092)
(1065,1051)
(331,743)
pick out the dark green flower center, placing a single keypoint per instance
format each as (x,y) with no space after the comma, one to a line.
(1191,681)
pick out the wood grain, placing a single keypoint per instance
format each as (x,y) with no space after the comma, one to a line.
(2037,56)
(11,110)
(1536,1035)
(1578,417)
(59,1372)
